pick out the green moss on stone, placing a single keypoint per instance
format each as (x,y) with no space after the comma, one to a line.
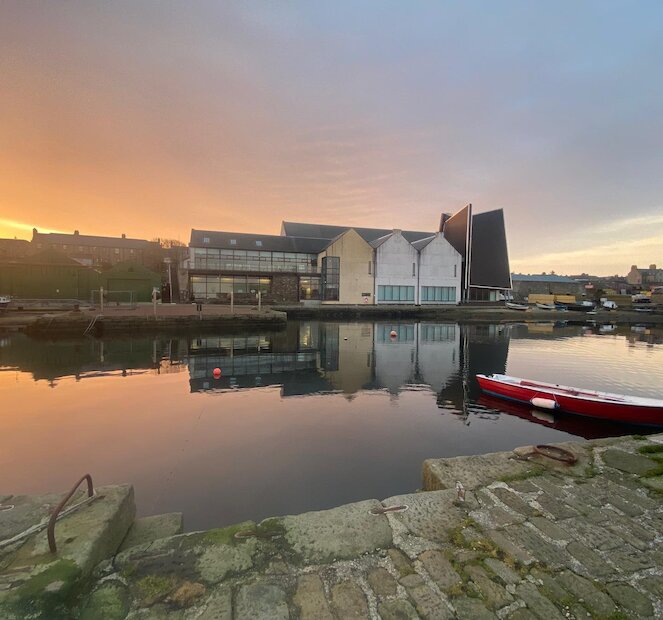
(651,449)
(154,588)
(532,472)
(46,591)
(226,535)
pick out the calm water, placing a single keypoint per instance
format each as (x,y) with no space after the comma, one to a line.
(311,417)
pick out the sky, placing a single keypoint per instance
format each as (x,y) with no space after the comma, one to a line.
(154,117)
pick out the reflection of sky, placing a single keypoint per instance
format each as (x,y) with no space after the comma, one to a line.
(371,113)
(225,456)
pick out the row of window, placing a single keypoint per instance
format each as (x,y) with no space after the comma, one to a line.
(406,293)
(219,287)
(395,293)
(252,260)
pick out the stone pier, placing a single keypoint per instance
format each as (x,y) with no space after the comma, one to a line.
(532,538)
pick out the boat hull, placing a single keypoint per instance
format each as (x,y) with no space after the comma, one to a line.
(631,413)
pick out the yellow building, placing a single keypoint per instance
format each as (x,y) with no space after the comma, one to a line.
(346,266)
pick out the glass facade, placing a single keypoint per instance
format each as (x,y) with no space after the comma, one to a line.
(438,293)
(254,260)
(309,288)
(220,287)
(395,293)
(331,278)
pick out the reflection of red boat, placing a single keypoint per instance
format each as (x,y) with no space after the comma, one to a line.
(586,428)
(599,405)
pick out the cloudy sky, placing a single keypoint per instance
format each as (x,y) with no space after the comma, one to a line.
(153,117)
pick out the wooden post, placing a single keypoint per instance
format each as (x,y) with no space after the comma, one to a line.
(232,302)
(259,300)
(101,300)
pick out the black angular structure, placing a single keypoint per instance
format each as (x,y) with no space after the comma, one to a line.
(481,241)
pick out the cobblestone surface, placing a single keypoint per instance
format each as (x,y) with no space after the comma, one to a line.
(536,541)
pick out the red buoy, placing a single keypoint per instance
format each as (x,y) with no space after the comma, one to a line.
(393,333)
(217,373)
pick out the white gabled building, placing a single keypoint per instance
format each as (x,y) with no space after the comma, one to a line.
(395,269)
(439,270)
(427,271)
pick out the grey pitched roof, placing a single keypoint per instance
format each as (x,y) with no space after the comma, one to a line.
(522,277)
(93,240)
(420,244)
(266,243)
(329,231)
(376,243)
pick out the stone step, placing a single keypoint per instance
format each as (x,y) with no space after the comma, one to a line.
(155,527)
(36,583)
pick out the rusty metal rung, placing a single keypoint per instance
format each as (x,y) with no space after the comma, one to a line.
(58,509)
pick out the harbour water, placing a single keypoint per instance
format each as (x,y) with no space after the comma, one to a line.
(314,416)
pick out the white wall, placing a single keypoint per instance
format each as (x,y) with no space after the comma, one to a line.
(394,259)
(436,267)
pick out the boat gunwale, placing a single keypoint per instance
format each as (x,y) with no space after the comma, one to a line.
(609,398)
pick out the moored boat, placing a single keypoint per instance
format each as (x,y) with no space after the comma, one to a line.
(4,301)
(513,306)
(541,306)
(590,403)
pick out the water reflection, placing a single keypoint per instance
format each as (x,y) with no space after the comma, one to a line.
(317,358)
(313,416)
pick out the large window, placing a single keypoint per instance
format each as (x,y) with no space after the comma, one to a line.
(395,293)
(309,288)
(438,293)
(220,287)
(254,260)
(331,278)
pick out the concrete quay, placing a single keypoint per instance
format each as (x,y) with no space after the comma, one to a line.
(532,538)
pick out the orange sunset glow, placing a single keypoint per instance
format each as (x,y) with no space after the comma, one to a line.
(155,119)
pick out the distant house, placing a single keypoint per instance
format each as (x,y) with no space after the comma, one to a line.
(645,278)
(14,248)
(546,284)
(95,251)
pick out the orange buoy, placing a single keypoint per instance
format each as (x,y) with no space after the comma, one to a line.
(393,333)
(217,373)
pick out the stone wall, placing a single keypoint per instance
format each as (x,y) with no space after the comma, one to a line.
(285,289)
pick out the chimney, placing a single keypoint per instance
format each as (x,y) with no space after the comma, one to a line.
(124,236)
(76,233)
(652,266)
(634,267)
(397,231)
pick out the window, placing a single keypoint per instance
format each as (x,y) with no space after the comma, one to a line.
(395,293)
(370,264)
(414,269)
(438,293)
(205,239)
(233,242)
(259,244)
(455,271)
(117,250)
(309,288)
(331,278)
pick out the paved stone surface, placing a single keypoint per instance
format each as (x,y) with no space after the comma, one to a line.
(349,601)
(529,542)
(310,599)
(382,583)
(261,600)
(440,569)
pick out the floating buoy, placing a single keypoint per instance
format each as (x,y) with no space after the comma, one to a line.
(393,333)
(217,373)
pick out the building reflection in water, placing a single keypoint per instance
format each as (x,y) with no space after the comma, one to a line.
(312,357)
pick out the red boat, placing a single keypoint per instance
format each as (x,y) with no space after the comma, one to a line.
(599,405)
